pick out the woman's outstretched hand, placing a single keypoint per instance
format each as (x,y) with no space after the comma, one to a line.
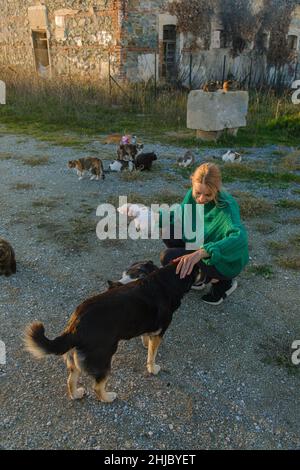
(187,262)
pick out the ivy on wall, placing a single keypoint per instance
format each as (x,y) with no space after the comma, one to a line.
(241,24)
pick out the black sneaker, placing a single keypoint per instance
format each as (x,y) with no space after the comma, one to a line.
(219,292)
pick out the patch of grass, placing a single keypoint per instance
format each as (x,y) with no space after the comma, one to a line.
(292,242)
(22,186)
(265,227)
(71,237)
(166,197)
(292,220)
(264,270)
(278,352)
(82,225)
(279,153)
(6,156)
(87,208)
(40,108)
(64,140)
(170,177)
(243,172)
(130,176)
(291,162)
(186,173)
(35,161)
(296,191)
(133,198)
(288,203)
(22,217)
(109,243)
(251,206)
(286,253)
(295,240)
(258,164)
(289,123)
(49,203)
(275,246)
(289,262)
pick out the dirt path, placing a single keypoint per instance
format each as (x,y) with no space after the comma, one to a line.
(227,380)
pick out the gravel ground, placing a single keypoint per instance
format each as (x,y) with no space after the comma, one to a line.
(226,382)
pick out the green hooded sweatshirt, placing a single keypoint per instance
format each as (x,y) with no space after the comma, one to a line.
(225,237)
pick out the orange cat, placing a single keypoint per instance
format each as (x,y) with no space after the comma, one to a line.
(113,139)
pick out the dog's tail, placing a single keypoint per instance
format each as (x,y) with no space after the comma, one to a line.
(39,346)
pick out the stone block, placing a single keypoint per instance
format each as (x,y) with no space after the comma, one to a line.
(215,111)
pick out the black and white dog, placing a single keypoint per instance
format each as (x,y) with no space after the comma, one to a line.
(90,339)
(136,271)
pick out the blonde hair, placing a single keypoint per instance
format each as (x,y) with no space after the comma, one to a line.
(210,175)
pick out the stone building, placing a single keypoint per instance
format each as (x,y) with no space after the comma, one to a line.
(129,39)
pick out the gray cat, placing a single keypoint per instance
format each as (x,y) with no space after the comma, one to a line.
(7,258)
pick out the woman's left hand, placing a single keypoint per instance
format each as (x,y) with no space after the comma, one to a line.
(187,262)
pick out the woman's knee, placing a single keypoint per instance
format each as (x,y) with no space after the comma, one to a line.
(165,257)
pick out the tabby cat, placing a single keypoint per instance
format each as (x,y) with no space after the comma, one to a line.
(212,86)
(187,160)
(7,258)
(92,164)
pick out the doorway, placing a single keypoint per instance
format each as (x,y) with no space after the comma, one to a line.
(41,52)
(169,52)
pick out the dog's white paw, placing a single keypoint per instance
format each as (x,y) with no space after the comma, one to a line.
(109,397)
(153,369)
(78,394)
(80,178)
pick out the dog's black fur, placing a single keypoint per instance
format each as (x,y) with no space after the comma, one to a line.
(143,161)
(143,307)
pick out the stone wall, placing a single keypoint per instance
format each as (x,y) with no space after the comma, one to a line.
(15,44)
(85,36)
(81,36)
(142,40)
